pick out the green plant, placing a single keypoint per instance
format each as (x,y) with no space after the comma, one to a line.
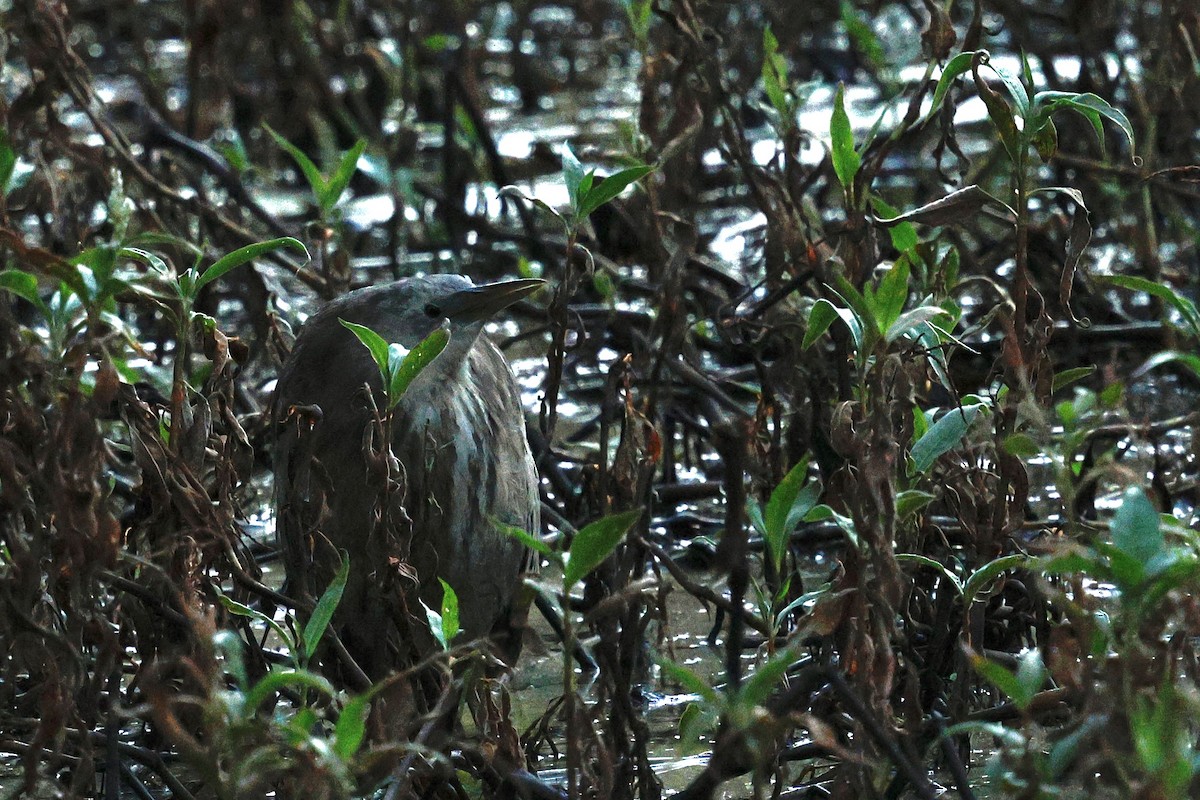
(589,547)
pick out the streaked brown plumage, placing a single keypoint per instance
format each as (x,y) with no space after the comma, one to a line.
(459,435)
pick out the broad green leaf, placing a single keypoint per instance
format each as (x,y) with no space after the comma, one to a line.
(910,321)
(943,436)
(22,284)
(594,542)
(821,316)
(1135,526)
(374,343)
(903,234)
(610,187)
(1045,141)
(417,359)
(145,257)
(846,160)
(245,254)
(910,501)
(323,612)
(1189,361)
(316,181)
(754,513)
(341,176)
(1015,90)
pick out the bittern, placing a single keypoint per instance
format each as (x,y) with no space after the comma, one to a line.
(458,432)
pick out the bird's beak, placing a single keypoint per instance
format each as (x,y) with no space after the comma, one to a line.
(481,302)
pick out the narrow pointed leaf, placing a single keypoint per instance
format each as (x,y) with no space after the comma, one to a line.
(416,361)
(316,181)
(846,160)
(325,608)
(244,255)
(375,344)
(341,176)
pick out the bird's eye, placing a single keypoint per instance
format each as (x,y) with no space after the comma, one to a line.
(432,310)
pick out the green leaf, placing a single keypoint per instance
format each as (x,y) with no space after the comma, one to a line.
(242,610)
(8,161)
(610,187)
(322,614)
(1002,117)
(332,191)
(903,234)
(687,678)
(594,542)
(892,293)
(1091,106)
(758,688)
(954,68)
(775,77)
(22,284)
(1007,682)
(696,721)
(788,504)
(982,577)
(1045,141)
(1136,529)
(1068,376)
(246,254)
(933,564)
(316,181)
(524,537)
(846,160)
(1015,90)
(351,727)
(278,680)
(821,316)
(417,360)
(573,176)
(943,436)
(450,626)
(908,323)
(229,645)
(1185,307)
(910,501)
(374,343)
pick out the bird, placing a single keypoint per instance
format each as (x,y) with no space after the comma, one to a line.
(466,471)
